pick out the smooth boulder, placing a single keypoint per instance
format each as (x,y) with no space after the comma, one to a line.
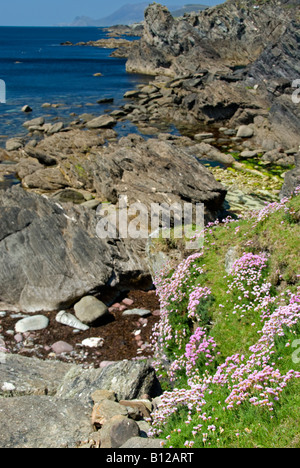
(90,309)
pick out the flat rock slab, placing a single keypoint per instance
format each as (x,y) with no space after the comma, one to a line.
(29,376)
(43,422)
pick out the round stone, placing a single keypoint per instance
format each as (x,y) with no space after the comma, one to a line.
(90,309)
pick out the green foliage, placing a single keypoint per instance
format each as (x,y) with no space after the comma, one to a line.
(278,235)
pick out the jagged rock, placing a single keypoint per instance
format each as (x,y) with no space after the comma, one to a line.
(129,380)
(65,318)
(59,256)
(218,40)
(104,121)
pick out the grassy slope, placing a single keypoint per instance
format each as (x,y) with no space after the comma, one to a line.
(248,426)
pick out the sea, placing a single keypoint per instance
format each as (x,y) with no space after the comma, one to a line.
(37,69)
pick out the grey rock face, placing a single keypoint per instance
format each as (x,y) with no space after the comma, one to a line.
(41,267)
(48,404)
(50,256)
(30,376)
(43,422)
(128,380)
(291,181)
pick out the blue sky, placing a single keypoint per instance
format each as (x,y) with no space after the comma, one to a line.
(50,13)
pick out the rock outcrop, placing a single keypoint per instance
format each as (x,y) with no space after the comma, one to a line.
(49,404)
(241,57)
(51,256)
(232,33)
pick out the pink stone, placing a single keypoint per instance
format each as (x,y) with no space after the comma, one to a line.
(18,338)
(61,347)
(156,313)
(116,306)
(140,343)
(122,308)
(138,337)
(128,302)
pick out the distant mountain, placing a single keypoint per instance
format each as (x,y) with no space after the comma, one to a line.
(129,14)
(188,9)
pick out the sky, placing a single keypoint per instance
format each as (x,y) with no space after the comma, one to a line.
(51,13)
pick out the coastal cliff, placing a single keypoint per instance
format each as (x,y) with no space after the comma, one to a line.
(241,54)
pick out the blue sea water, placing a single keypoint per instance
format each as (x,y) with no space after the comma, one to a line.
(37,69)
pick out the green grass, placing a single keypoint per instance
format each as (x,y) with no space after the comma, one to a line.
(245,426)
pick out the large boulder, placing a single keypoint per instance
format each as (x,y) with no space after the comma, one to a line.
(128,379)
(291,180)
(51,256)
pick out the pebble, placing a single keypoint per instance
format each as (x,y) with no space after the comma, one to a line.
(156,313)
(140,312)
(128,302)
(93,342)
(36,322)
(245,131)
(18,338)
(61,347)
(2,314)
(26,109)
(8,387)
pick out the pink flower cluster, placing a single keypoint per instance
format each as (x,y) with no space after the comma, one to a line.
(252,379)
(197,296)
(246,281)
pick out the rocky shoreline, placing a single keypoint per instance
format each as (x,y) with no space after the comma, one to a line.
(55,405)
(236,146)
